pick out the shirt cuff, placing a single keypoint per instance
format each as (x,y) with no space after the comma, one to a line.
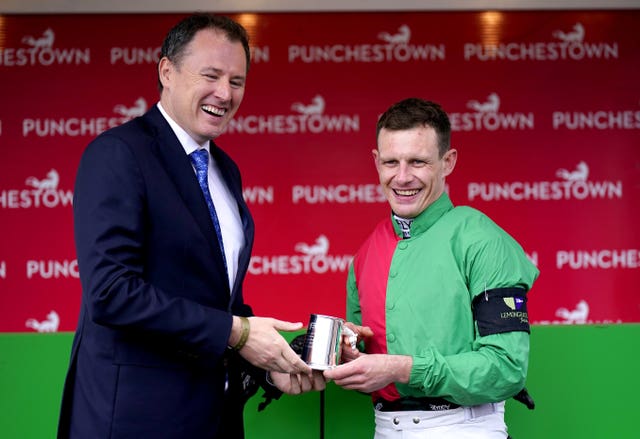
(422,365)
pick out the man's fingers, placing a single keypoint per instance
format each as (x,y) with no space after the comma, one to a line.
(305,383)
(365,331)
(295,362)
(296,387)
(319,382)
(282,325)
(349,382)
(340,372)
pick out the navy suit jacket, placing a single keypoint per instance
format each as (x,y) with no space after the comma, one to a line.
(148,355)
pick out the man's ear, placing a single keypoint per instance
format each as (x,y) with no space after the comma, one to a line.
(165,68)
(449,159)
(374,154)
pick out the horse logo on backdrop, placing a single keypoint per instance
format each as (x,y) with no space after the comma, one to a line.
(310,258)
(401,37)
(579,174)
(578,315)
(575,36)
(43,42)
(39,51)
(319,248)
(392,46)
(303,117)
(138,109)
(566,44)
(569,185)
(50,324)
(50,182)
(38,192)
(487,115)
(491,105)
(315,107)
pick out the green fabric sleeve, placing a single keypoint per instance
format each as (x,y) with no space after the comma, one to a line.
(495,367)
(494,370)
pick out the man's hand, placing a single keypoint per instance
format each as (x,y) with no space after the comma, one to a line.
(348,352)
(266,348)
(371,372)
(294,384)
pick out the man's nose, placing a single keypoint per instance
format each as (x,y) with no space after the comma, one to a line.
(404,172)
(223,90)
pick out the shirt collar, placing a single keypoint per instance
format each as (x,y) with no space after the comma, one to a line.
(428,217)
(184,138)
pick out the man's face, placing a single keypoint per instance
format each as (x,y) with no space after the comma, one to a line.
(204,92)
(411,173)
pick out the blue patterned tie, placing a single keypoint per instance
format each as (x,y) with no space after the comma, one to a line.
(200,160)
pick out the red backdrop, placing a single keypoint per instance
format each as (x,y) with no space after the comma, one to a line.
(545,108)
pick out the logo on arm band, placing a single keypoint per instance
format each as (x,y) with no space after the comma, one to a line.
(501,310)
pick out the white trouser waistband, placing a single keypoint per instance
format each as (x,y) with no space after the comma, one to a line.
(489,417)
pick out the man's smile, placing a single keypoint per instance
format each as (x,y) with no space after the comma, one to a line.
(406,192)
(214,111)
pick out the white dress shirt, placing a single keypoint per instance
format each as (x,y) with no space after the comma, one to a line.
(224,202)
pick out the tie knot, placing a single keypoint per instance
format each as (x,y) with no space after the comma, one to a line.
(200,159)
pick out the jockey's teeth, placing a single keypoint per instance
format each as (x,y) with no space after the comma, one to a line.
(407,193)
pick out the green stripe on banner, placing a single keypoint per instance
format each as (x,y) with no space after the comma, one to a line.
(584,380)
(32,371)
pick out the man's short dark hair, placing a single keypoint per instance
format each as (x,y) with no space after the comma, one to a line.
(184,31)
(415,112)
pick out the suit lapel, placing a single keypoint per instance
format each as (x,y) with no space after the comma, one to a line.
(178,167)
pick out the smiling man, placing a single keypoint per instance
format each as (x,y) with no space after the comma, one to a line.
(437,292)
(165,346)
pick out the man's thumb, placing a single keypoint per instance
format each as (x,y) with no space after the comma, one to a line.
(282,325)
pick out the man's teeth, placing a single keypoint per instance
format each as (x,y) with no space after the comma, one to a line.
(213,110)
(407,192)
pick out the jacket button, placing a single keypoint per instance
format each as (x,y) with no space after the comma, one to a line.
(396,421)
(416,420)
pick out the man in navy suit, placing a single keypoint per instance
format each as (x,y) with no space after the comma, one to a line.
(165,342)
